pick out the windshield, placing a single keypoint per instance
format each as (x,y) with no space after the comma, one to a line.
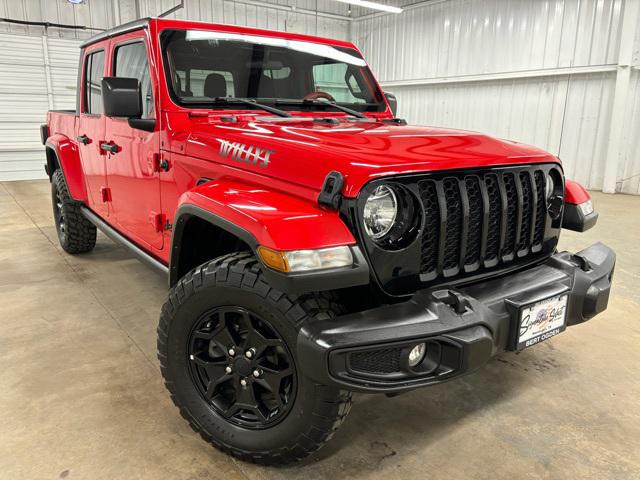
(203,65)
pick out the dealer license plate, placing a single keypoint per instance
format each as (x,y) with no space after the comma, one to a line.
(542,320)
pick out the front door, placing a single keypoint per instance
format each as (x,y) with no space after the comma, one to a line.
(132,171)
(91,129)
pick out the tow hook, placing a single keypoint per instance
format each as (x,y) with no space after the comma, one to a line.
(455,300)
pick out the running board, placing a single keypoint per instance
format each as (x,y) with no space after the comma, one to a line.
(121,239)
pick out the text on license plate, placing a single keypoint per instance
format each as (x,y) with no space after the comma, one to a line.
(542,320)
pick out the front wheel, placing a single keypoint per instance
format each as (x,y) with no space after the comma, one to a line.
(226,345)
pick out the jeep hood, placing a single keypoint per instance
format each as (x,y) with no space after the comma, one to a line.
(302,151)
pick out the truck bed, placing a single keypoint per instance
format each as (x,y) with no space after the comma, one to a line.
(62,122)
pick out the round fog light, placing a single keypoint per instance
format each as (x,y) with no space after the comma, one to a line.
(416,355)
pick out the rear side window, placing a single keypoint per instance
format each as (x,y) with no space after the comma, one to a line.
(93,73)
(131,62)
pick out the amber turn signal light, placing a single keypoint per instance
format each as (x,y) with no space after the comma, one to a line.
(273,259)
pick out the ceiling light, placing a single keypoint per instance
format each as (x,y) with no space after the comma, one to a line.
(374,5)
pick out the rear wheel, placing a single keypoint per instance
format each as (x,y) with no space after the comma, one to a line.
(226,344)
(75,233)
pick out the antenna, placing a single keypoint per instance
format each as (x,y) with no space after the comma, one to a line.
(172,9)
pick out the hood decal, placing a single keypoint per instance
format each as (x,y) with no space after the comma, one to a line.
(241,152)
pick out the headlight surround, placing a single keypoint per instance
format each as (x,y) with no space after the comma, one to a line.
(554,192)
(391,216)
(554,184)
(380,211)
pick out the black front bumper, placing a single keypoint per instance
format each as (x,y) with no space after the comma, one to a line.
(463,328)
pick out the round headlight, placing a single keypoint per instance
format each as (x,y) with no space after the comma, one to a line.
(380,212)
(550,187)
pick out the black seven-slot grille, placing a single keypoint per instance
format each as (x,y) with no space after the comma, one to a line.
(475,220)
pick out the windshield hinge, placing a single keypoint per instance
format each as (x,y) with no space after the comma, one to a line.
(329,120)
(395,121)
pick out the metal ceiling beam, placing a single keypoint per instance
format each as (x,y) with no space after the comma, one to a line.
(515,75)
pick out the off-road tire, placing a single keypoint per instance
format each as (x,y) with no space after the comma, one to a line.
(75,233)
(236,279)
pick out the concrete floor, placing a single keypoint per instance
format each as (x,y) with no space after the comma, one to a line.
(81,394)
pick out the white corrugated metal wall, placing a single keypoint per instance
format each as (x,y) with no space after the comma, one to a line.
(542,72)
(38,70)
(37,73)
(38,66)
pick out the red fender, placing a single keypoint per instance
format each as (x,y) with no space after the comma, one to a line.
(273,218)
(574,193)
(68,157)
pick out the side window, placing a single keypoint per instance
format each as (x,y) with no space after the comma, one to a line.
(93,73)
(131,62)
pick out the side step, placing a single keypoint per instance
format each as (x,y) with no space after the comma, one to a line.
(118,238)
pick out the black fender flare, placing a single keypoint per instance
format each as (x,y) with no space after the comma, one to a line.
(184,213)
(303,282)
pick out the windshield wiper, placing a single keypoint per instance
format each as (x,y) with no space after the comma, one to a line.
(326,103)
(242,101)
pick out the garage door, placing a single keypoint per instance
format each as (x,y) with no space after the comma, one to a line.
(36,74)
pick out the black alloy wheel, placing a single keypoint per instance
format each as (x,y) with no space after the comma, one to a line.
(242,367)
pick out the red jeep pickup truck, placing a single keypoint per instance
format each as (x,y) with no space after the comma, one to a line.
(315,244)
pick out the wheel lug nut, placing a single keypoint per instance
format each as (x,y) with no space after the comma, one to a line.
(250,353)
(257,373)
(232,352)
(228,369)
(243,382)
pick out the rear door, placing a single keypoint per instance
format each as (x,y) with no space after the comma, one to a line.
(132,172)
(91,127)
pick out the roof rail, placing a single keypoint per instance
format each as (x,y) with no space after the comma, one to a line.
(124,28)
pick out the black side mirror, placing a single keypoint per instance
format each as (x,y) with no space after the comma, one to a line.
(393,102)
(121,97)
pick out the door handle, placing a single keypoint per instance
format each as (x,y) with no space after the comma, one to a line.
(83,139)
(109,147)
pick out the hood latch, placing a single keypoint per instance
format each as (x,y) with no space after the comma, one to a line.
(331,194)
